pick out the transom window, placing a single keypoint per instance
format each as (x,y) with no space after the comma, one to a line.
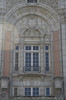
(31,58)
(17,47)
(32,91)
(31,1)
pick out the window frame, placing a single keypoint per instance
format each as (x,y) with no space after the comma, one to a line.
(49,91)
(46,51)
(16,51)
(33,91)
(15,91)
(32,51)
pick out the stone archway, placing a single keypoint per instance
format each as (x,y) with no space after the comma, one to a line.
(15,20)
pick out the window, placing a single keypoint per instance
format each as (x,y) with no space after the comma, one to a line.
(32,91)
(16,61)
(46,58)
(35,91)
(31,58)
(47,91)
(16,47)
(16,57)
(27,91)
(31,1)
(15,91)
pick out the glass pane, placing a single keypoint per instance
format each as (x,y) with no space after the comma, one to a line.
(35,91)
(16,61)
(17,48)
(47,91)
(35,47)
(46,47)
(27,91)
(32,1)
(15,91)
(47,61)
(28,62)
(28,48)
(35,61)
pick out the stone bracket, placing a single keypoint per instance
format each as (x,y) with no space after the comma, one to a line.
(58,82)
(4,82)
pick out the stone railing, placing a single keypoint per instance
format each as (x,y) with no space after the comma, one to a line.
(31,69)
(34,98)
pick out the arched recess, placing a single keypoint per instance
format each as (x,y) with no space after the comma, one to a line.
(44,12)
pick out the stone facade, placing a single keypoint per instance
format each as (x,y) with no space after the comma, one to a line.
(32,24)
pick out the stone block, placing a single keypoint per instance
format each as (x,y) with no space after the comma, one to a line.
(4,83)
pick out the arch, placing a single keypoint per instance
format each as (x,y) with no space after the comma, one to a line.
(47,13)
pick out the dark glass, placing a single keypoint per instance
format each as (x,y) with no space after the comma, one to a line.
(16,61)
(27,91)
(15,91)
(17,48)
(46,47)
(47,92)
(28,47)
(35,47)
(31,1)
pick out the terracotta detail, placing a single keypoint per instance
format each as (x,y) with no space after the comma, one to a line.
(56,54)
(7,53)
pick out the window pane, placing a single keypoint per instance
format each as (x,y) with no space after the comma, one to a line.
(27,91)
(35,47)
(35,91)
(47,61)
(27,61)
(17,48)
(16,61)
(28,47)
(47,91)
(46,47)
(35,61)
(32,1)
(15,91)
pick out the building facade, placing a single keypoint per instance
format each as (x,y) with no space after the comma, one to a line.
(32,49)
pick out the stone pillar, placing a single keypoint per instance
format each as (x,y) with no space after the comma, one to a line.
(42,56)
(63,27)
(42,86)
(22,56)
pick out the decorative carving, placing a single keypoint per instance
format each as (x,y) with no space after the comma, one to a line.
(33,20)
(32,33)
